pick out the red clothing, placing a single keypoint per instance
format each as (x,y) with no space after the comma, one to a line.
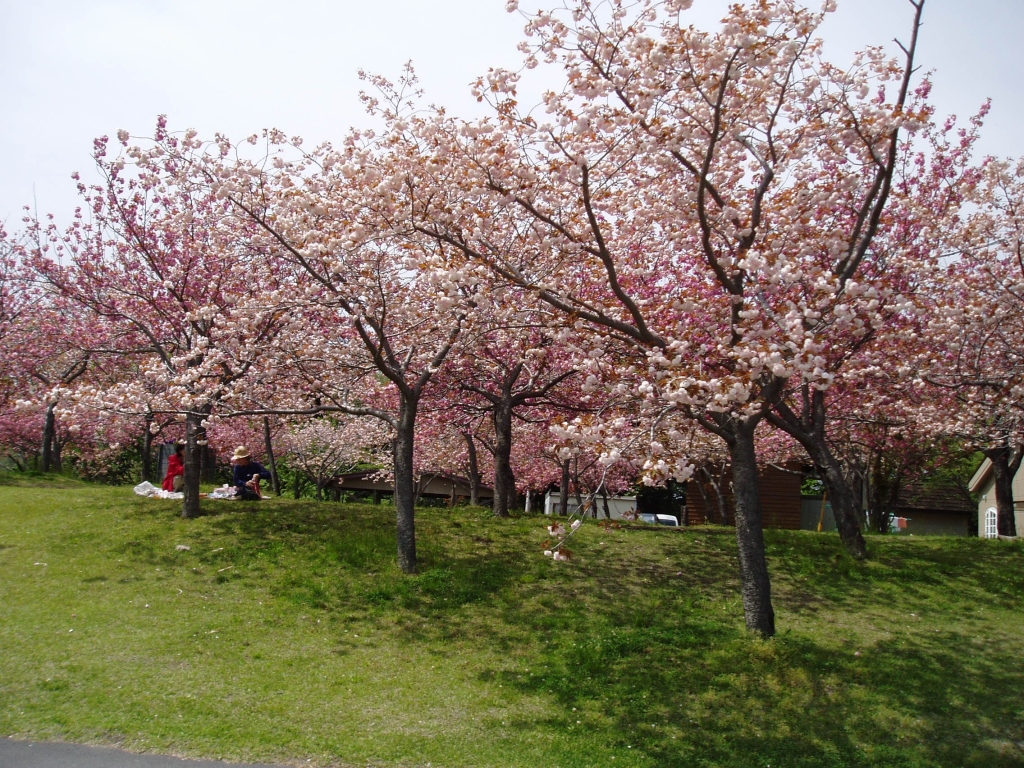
(175,467)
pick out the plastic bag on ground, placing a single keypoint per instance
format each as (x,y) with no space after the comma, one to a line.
(145,489)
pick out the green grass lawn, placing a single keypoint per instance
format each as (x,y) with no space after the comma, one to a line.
(287,634)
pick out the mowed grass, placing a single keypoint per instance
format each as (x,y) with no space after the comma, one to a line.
(286,634)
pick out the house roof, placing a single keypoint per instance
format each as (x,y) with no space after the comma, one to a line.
(981,476)
(939,498)
(367,474)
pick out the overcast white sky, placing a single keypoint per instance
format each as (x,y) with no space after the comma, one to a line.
(71,70)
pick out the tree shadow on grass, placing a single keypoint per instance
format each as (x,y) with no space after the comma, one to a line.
(812,572)
(648,647)
(341,559)
(660,677)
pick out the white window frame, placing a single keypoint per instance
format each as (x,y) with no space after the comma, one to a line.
(991,523)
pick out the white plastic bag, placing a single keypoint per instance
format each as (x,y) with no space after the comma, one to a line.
(224,492)
(146,489)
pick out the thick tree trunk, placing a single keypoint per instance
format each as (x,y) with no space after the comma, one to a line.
(502,414)
(147,452)
(513,494)
(193,466)
(810,433)
(419,487)
(604,503)
(474,470)
(756,586)
(845,507)
(297,484)
(275,480)
(577,489)
(563,494)
(879,517)
(1004,466)
(206,463)
(405,486)
(49,432)
(716,486)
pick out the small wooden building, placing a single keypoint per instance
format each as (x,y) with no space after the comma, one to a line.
(934,511)
(618,506)
(780,500)
(432,485)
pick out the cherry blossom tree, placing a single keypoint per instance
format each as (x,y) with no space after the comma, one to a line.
(160,264)
(509,372)
(972,353)
(707,203)
(368,326)
(324,448)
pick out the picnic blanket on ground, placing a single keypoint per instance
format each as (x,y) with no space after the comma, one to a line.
(151,491)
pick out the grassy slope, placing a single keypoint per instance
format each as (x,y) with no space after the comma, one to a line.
(287,634)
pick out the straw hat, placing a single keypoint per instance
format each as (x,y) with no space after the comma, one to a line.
(241,452)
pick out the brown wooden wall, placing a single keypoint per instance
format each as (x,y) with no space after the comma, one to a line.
(780,500)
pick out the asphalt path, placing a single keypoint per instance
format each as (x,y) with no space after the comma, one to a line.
(46,754)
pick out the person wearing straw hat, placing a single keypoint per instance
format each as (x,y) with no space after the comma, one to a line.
(247,473)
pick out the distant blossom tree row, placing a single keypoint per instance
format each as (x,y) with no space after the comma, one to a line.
(702,248)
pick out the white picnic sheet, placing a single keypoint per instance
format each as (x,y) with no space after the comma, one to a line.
(151,491)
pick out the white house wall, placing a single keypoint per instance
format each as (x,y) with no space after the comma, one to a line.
(618,506)
(988,501)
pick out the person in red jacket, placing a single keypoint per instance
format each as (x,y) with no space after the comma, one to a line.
(175,479)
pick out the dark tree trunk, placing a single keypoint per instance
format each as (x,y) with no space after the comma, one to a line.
(844,502)
(502,414)
(716,482)
(297,484)
(809,431)
(513,494)
(419,487)
(716,508)
(376,497)
(206,473)
(58,452)
(883,493)
(577,490)
(147,452)
(756,586)
(405,486)
(193,465)
(49,434)
(563,493)
(1005,463)
(474,470)
(879,519)
(604,503)
(275,480)
(319,490)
